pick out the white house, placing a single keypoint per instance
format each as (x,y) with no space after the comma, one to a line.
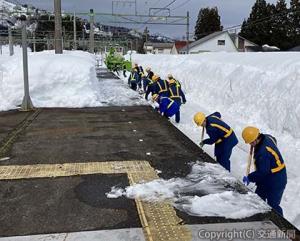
(218,42)
(158,48)
(242,44)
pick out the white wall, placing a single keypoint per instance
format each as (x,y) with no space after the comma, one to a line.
(212,45)
(174,50)
(164,51)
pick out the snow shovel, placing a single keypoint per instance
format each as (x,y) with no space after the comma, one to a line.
(250,157)
(202,135)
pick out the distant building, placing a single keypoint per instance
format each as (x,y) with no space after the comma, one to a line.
(177,46)
(221,41)
(158,48)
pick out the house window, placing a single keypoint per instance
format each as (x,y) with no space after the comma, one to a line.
(221,42)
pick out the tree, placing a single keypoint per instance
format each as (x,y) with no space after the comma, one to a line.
(46,26)
(208,22)
(146,34)
(294,18)
(273,24)
(280,26)
(258,28)
(141,42)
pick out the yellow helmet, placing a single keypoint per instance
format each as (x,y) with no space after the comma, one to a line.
(250,134)
(199,118)
(171,81)
(155,77)
(170,76)
(155,97)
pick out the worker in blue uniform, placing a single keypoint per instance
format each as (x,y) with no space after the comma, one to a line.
(270,174)
(150,88)
(167,106)
(176,94)
(160,86)
(141,74)
(149,73)
(146,83)
(219,134)
(170,77)
(133,79)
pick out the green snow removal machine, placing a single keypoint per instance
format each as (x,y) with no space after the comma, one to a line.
(115,62)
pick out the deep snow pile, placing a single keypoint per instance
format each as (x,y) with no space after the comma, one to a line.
(67,80)
(260,89)
(212,199)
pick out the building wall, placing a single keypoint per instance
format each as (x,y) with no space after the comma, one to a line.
(161,51)
(247,44)
(174,50)
(212,45)
(148,49)
(242,44)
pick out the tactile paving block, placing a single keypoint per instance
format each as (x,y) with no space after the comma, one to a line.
(159,219)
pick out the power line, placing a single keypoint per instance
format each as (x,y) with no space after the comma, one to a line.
(261,20)
(181,5)
(146,22)
(258,21)
(173,1)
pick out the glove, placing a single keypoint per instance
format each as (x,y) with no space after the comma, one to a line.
(201,144)
(246,180)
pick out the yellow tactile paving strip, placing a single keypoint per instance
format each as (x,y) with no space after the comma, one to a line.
(159,219)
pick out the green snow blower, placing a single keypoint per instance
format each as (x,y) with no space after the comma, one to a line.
(116,62)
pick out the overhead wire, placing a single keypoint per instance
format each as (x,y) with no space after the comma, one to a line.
(182,4)
(147,21)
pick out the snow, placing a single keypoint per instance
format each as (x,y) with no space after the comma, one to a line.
(260,89)
(6,5)
(67,80)
(268,47)
(211,183)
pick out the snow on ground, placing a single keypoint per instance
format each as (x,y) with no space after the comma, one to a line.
(260,89)
(214,187)
(247,88)
(67,80)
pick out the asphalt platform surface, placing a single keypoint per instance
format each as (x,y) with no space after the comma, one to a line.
(78,203)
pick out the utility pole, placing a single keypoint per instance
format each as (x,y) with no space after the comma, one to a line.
(48,41)
(10,41)
(27,103)
(34,43)
(63,37)
(92,41)
(187,32)
(130,50)
(58,27)
(136,44)
(74,28)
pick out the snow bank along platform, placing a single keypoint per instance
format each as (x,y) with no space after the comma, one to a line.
(63,161)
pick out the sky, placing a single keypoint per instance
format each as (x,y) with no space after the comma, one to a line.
(232,12)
